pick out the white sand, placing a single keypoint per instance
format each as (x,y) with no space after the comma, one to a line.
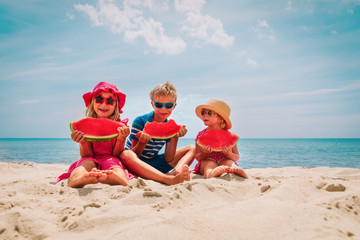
(274,203)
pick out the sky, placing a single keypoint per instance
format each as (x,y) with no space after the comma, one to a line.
(287,69)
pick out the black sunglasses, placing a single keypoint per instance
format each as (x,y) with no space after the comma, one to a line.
(167,105)
(209,112)
(109,100)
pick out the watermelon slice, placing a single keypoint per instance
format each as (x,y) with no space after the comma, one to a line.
(162,130)
(217,139)
(97,129)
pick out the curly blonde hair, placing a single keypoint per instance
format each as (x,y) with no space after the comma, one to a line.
(165,89)
(90,112)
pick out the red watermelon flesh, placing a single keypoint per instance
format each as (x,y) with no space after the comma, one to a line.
(97,129)
(162,130)
(217,139)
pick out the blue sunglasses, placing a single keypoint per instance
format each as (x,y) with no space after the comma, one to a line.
(167,105)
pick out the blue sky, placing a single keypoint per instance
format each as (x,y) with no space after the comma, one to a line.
(288,69)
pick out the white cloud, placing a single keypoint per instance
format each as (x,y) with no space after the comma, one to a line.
(203,27)
(127,18)
(155,5)
(189,5)
(133,25)
(251,62)
(263,30)
(333,32)
(263,23)
(154,35)
(70,16)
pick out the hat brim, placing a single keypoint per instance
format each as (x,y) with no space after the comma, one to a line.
(215,109)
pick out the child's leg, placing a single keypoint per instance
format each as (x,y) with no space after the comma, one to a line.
(116,177)
(142,169)
(234,168)
(84,174)
(219,170)
(210,169)
(183,156)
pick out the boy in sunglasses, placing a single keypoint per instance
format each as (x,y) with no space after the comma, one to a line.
(163,100)
(216,115)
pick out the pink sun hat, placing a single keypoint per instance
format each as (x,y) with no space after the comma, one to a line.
(107,87)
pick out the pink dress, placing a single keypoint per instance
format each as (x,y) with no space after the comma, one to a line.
(215,156)
(103,159)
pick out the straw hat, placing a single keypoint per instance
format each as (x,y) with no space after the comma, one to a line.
(107,87)
(218,106)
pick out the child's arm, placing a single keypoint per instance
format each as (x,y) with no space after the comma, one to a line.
(139,146)
(232,153)
(170,149)
(85,147)
(120,141)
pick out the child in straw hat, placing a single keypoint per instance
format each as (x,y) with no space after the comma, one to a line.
(215,115)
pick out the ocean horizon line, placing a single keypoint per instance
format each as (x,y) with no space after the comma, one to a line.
(245,138)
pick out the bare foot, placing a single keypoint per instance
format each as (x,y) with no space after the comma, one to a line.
(238,171)
(100,174)
(218,171)
(115,176)
(183,175)
(81,178)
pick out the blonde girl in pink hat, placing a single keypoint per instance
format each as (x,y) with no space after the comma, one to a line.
(100,161)
(215,115)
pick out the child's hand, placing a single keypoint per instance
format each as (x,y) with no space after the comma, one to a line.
(206,149)
(182,131)
(228,152)
(123,132)
(143,137)
(78,136)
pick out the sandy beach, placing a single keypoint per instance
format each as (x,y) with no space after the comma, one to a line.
(274,203)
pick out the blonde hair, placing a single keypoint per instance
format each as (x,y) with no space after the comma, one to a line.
(90,112)
(165,89)
(223,124)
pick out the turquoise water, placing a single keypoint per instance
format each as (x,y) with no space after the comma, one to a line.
(254,153)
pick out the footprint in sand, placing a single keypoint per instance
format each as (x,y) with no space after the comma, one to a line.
(151,194)
(265,188)
(95,205)
(335,188)
(140,183)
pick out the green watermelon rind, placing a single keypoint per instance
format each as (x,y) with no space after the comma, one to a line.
(90,138)
(166,137)
(219,150)
(100,139)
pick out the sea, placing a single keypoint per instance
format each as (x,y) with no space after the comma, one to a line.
(254,153)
